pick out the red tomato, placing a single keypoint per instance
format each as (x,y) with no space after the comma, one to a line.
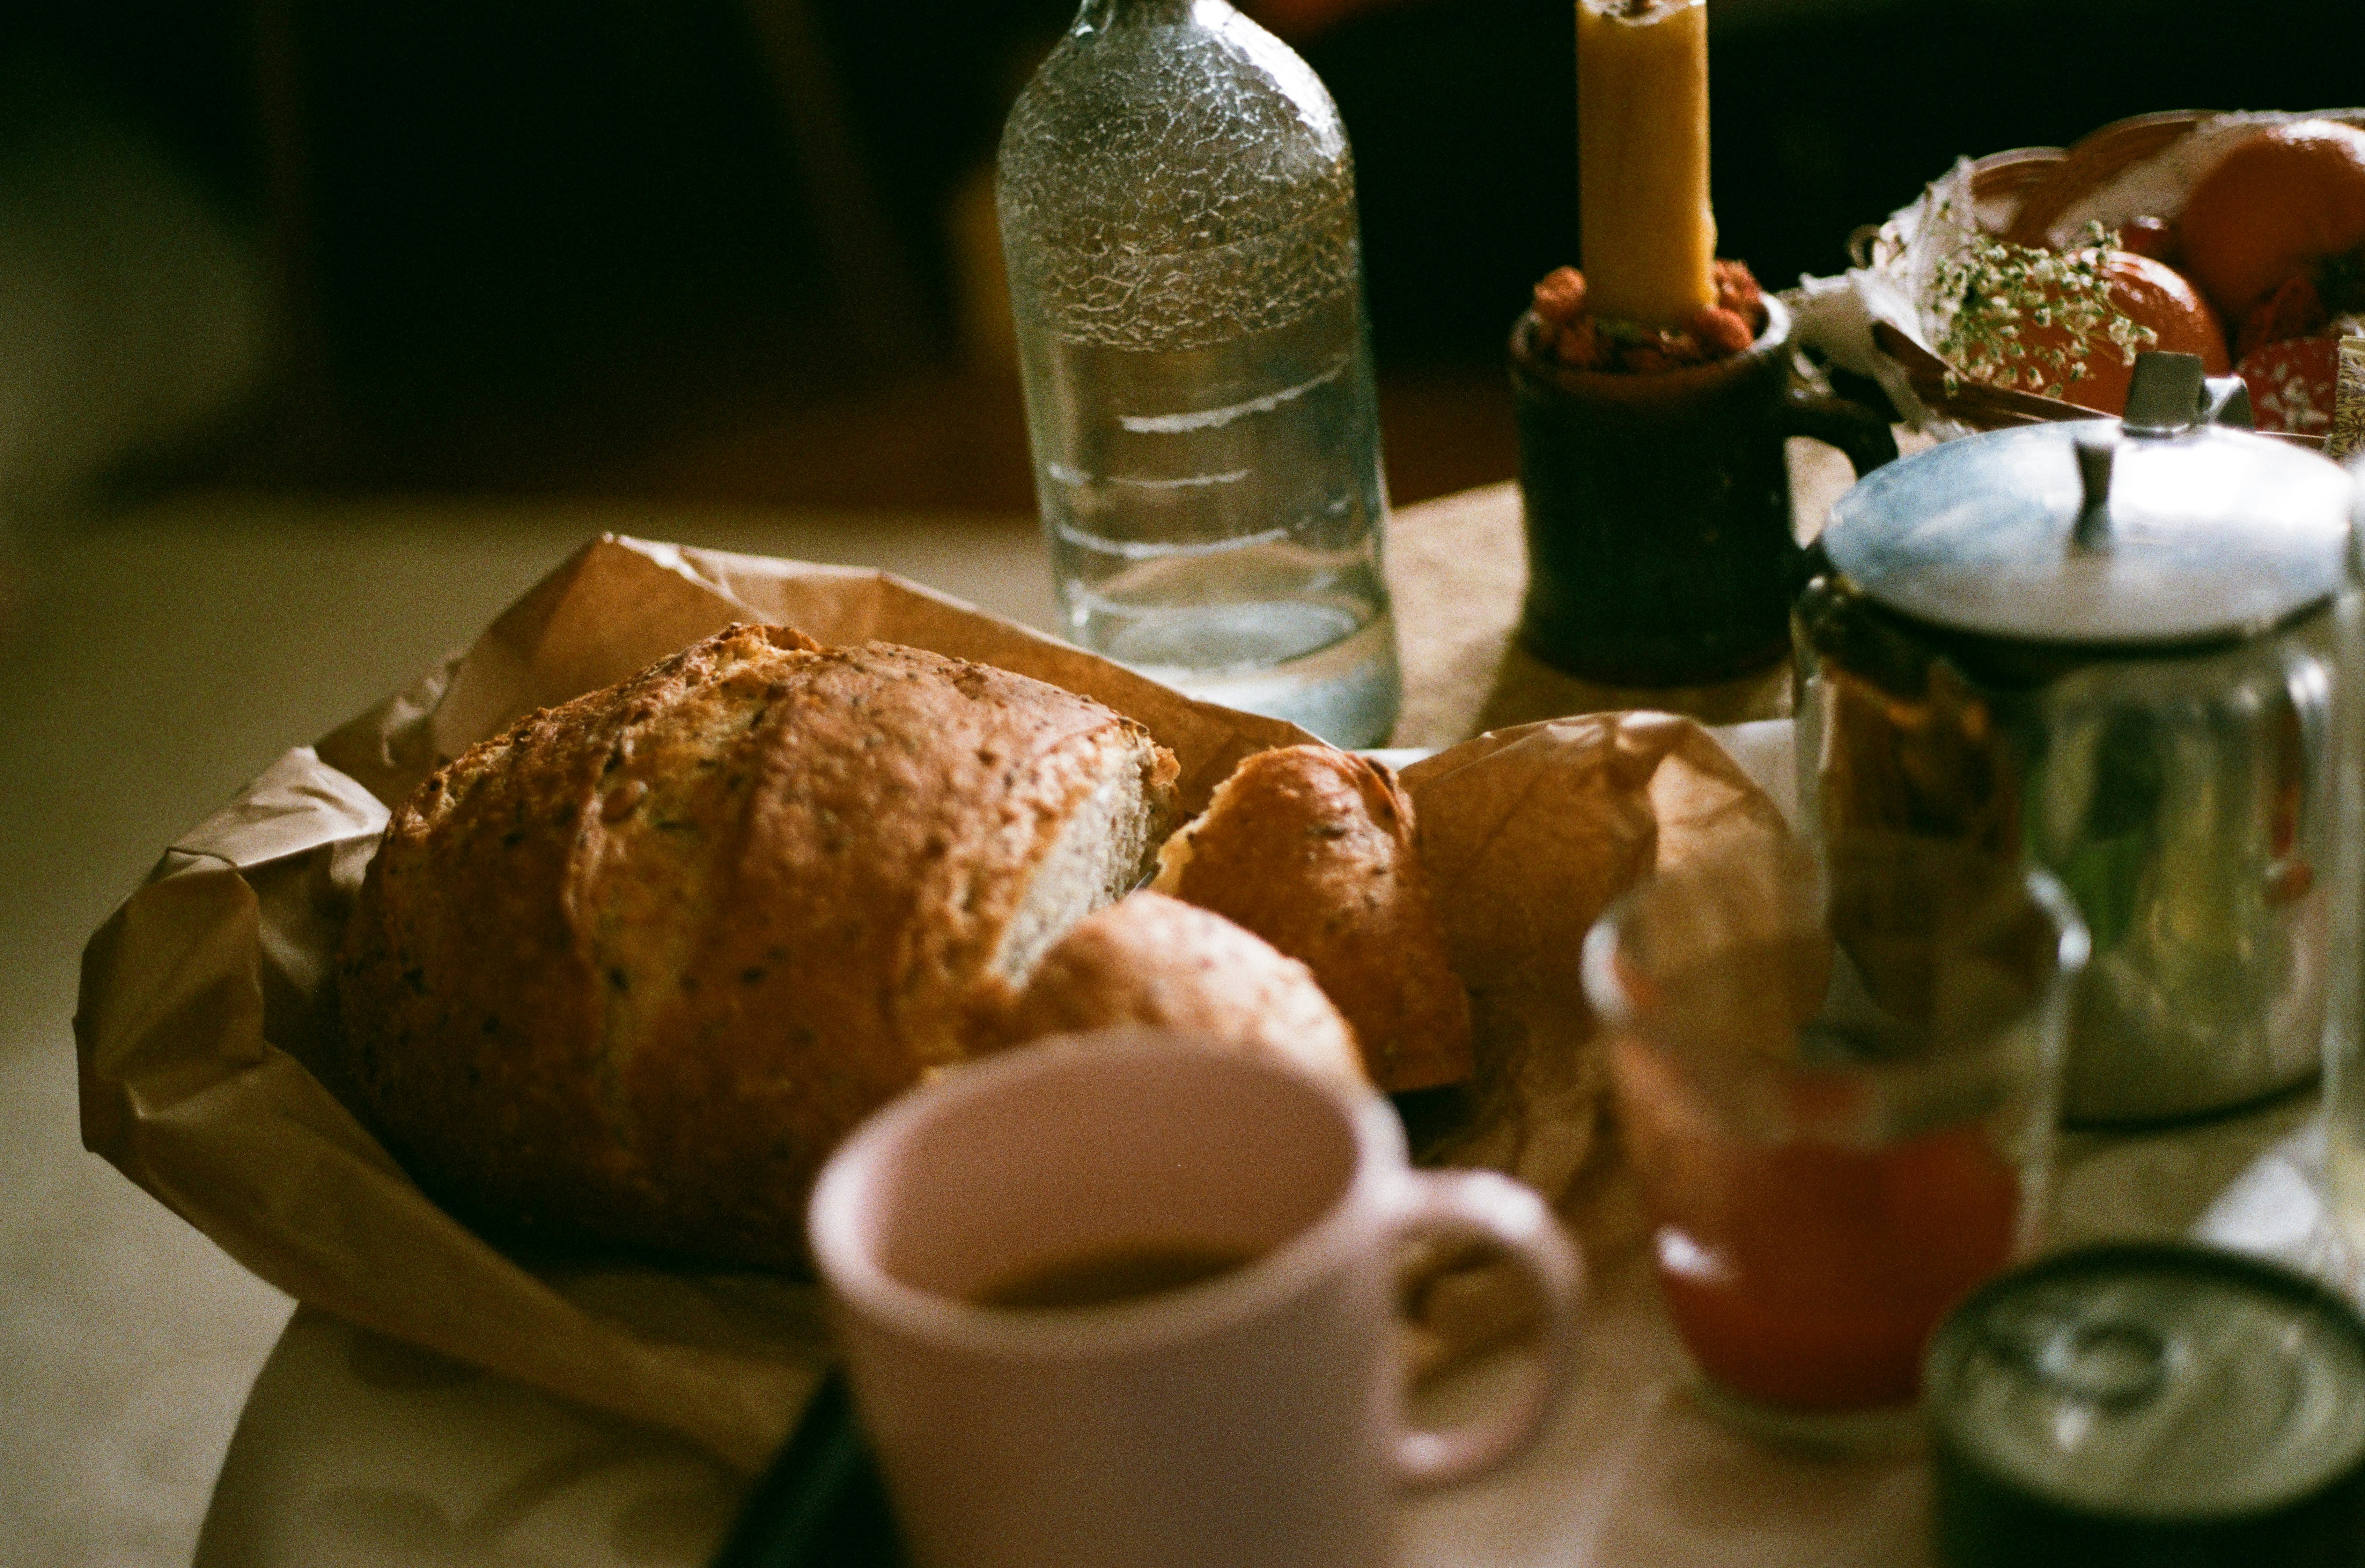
(2151,294)
(2278,205)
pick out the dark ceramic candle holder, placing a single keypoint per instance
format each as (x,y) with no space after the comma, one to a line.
(1660,544)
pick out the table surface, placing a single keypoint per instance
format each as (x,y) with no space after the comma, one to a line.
(153,664)
(356,1449)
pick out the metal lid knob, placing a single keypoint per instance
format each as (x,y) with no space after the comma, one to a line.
(2171,393)
(2098,445)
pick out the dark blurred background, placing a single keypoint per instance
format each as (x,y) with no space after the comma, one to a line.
(742,249)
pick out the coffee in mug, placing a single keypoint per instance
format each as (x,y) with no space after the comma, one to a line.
(1108,1274)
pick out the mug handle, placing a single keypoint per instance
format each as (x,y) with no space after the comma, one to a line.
(1490,1209)
(1863,435)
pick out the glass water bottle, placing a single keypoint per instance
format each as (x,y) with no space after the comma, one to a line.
(1178,212)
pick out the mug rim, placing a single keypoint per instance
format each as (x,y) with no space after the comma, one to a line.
(845,1252)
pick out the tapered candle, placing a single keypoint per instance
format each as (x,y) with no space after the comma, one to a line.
(1648,236)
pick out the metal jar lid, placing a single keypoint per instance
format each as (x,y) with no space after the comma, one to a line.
(2148,1403)
(2158,530)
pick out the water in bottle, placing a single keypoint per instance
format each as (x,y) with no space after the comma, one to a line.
(1178,210)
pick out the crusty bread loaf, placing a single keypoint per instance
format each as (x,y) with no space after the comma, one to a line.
(626,973)
(1157,961)
(1312,848)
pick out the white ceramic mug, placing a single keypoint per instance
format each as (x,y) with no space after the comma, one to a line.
(1253,1418)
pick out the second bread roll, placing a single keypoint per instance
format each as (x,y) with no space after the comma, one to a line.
(1312,848)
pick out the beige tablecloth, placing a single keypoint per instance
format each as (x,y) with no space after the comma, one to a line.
(354,1449)
(357,1452)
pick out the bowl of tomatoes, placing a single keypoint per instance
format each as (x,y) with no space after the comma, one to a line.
(2028,280)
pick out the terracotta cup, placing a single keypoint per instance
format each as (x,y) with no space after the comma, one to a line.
(1250,1418)
(1661,550)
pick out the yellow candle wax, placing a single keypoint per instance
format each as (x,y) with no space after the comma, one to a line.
(1641,151)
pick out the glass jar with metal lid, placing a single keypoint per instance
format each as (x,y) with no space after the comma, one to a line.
(2151,1404)
(2106,644)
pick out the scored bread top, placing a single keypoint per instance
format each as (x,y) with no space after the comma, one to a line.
(626,973)
(1312,848)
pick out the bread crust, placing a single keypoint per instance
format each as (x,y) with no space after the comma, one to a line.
(627,972)
(1149,959)
(1313,849)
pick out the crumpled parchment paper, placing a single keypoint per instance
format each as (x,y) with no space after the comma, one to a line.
(207,1025)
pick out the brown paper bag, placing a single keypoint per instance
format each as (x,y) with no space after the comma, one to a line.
(207,1023)
(1527,835)
(208,1012)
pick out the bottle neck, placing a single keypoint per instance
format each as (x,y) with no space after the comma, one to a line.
(1096,16)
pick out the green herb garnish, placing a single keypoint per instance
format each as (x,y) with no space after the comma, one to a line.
(1999,287)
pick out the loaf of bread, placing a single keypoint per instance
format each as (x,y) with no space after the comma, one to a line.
(624,974)
(1149,959)
(1312,848)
